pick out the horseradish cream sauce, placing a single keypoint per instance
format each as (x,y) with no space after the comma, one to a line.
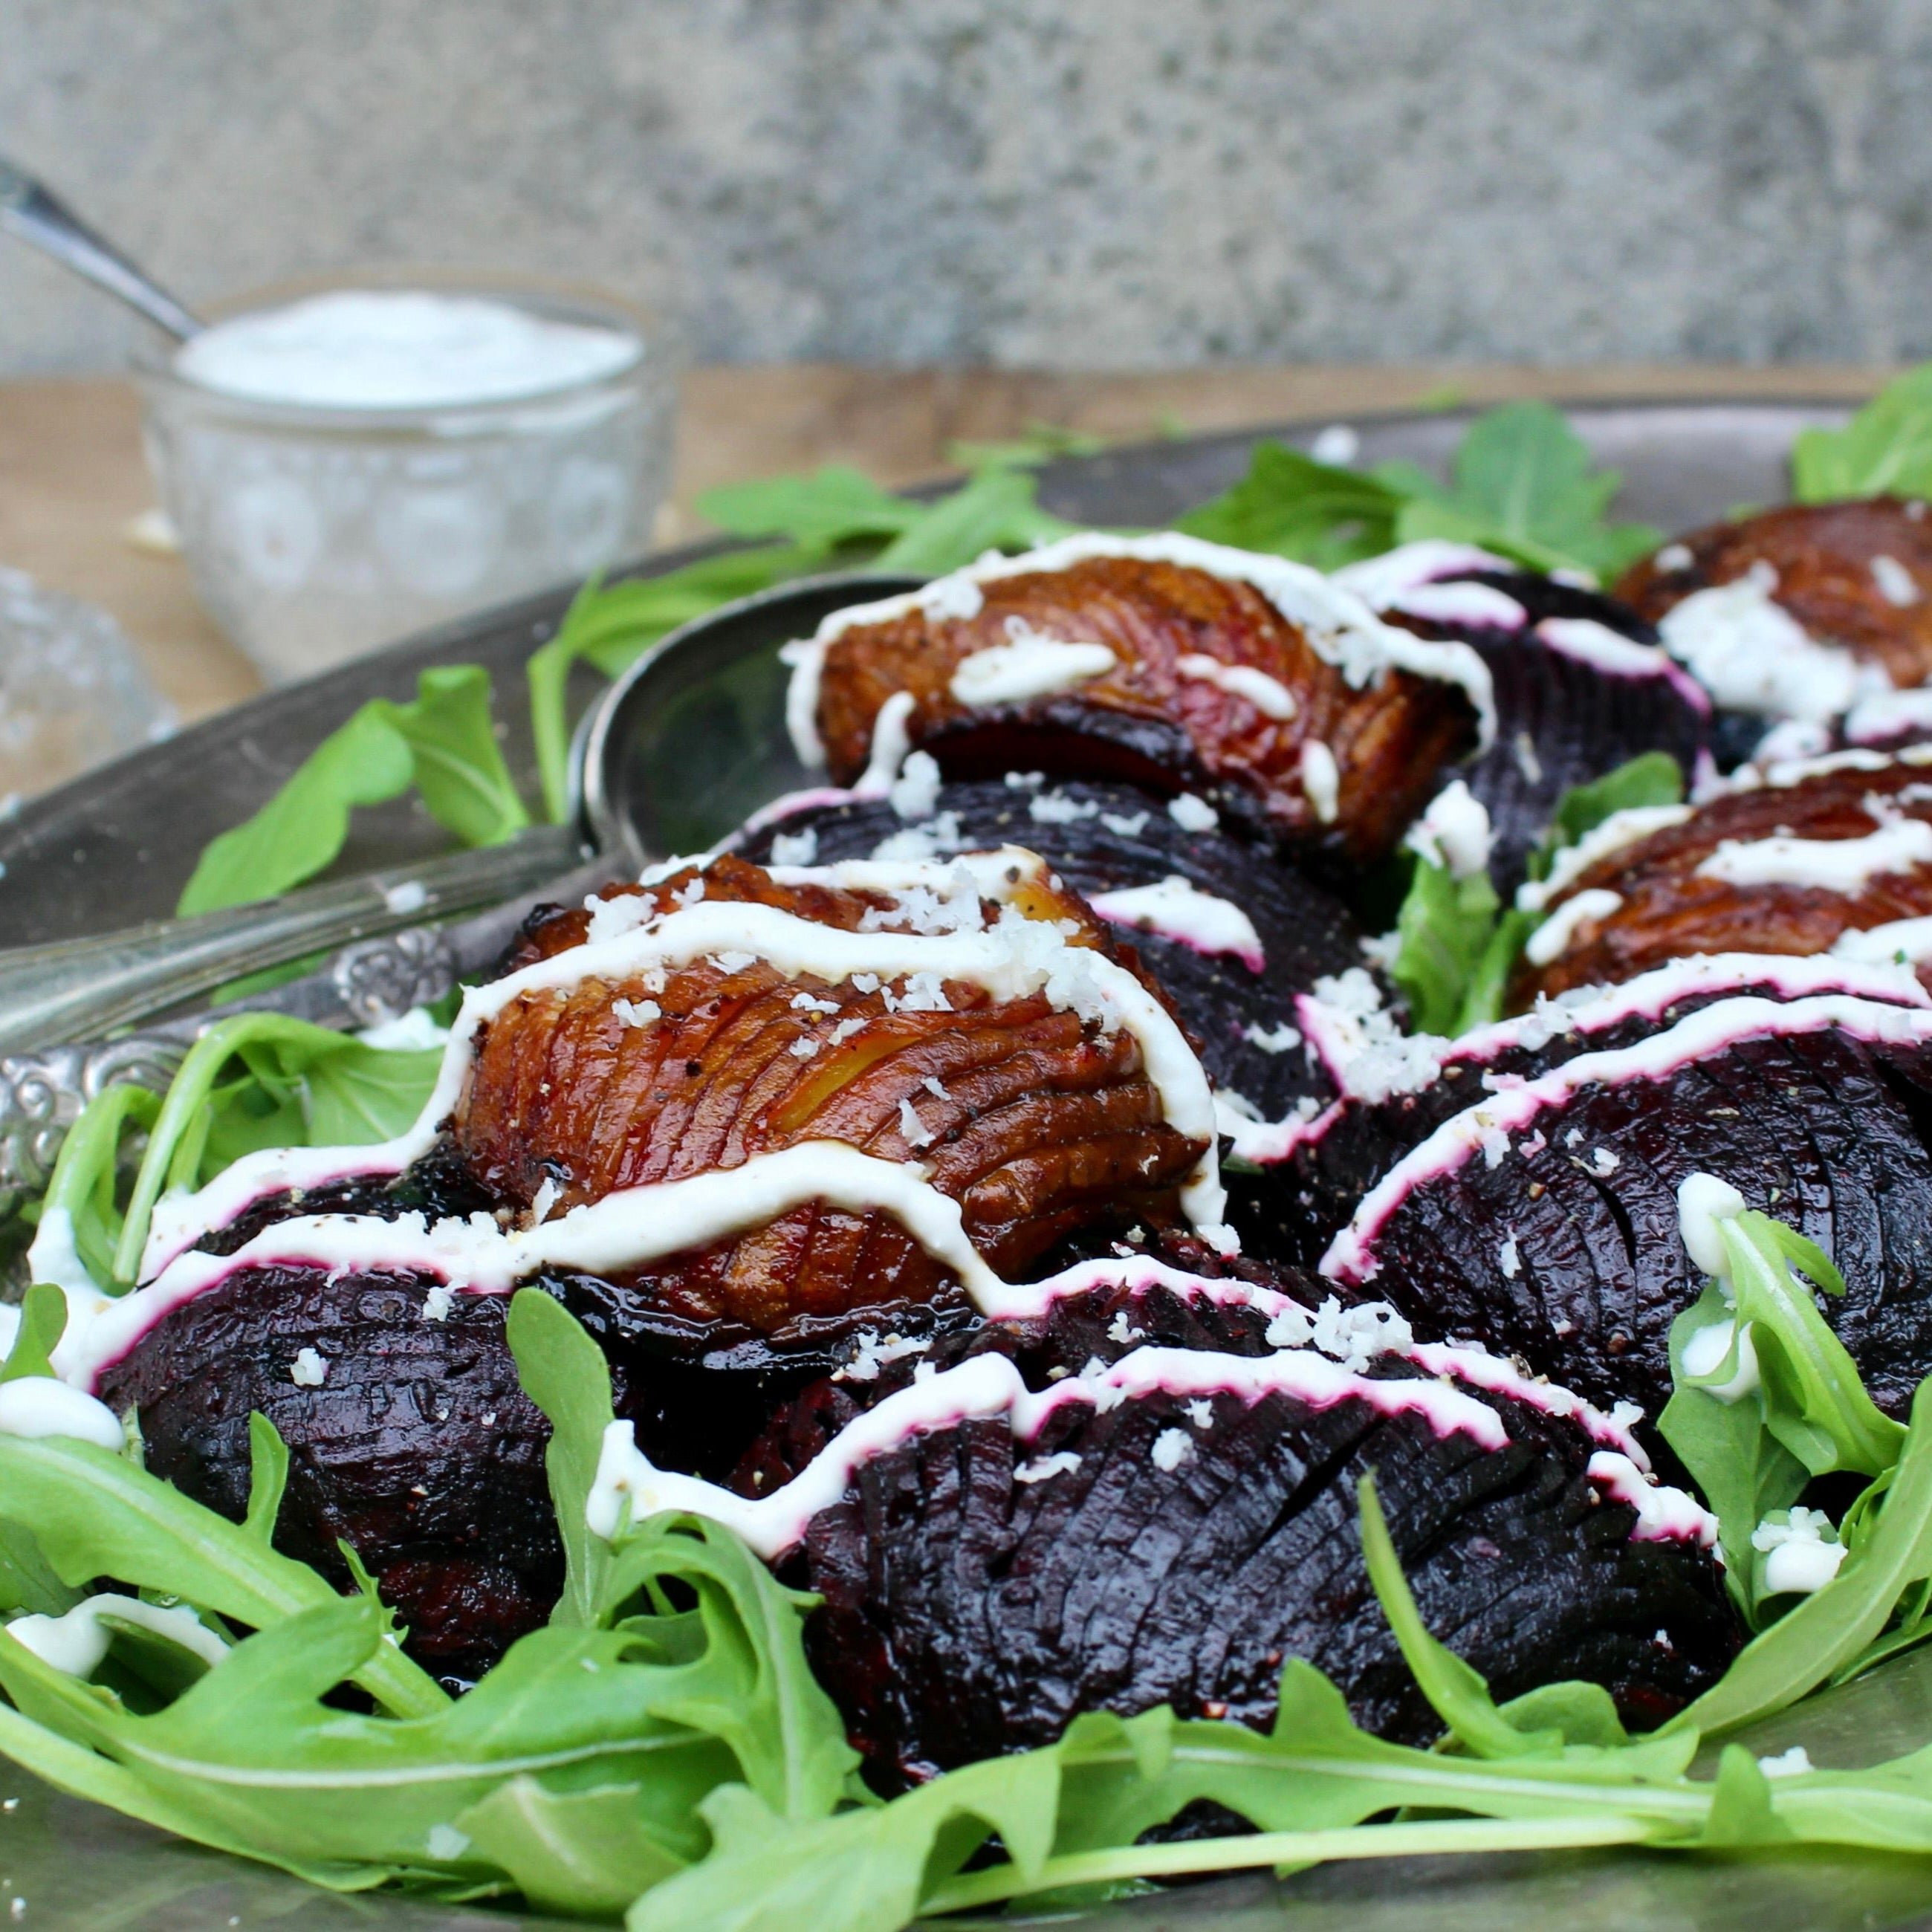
(395,348)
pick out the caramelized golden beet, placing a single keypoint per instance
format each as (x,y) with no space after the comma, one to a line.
(1037,1122)
(1823,554)
(1670,910)
(1142,719)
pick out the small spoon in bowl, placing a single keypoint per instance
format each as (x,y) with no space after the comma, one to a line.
(31,211)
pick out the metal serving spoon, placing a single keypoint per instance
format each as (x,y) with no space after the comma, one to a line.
(29,209)
(624,816)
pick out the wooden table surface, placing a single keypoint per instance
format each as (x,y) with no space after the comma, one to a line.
(72,476)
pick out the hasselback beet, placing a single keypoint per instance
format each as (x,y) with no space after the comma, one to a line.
(1386,1110)
(1857,575)
(1543,1218)
(1104,839)
(1582,682)
(1817,857)
(1176,1547)
(1290,701)
(1038,1119)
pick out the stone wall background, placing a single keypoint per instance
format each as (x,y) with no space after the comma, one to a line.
(1051,183)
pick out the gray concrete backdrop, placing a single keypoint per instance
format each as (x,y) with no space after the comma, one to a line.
(1047,183)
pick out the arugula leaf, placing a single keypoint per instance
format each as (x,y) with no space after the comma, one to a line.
(1824,1632)
(268,1477)
(565,1374)
(455,759)
(763,1702)
(834,506)
(1446,928)
(1885,450)
(1650,778)
(93,1513)
(1817,1406)
(300,831)
(996,510)
(1741,1468)
(302,1085)
(443,741)
(587,1853)
(1522,483)
(84,1187)
(611,626)
(43,1320)
(1291,506)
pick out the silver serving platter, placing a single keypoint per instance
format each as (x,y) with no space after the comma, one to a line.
(116,846)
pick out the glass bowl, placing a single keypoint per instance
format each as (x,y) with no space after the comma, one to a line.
(313,534)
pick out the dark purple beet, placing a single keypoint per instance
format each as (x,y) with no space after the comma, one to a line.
(1825,1131)
(1328,1174)
(419,1449)
(1560,721)
(966,1613)
(1306,932)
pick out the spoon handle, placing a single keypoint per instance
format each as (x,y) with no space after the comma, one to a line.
(83,989)
(28,210)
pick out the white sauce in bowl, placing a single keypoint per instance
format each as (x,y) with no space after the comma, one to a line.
(397,349)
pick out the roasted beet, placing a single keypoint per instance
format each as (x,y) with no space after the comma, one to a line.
(1101,839)
(1177,1546)
(1856,574)
(1750,871)
(416,1446)
(1039,1120)
(1542,1219)
(1317,721)
(1582,684)
(1387,1110)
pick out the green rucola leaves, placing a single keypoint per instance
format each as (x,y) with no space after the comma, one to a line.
(443,741)
(1886,449)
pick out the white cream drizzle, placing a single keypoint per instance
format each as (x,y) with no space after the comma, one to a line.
(1751,654)
(1663,1514)
(1320,780)
(36,1406)
(1559,932)
(1029,665)
(1488,1123)
(989,1386)
(1589,1009)
(1340,629)
(1268,695)
(1176,909)
(1627,827)
(1610,652)
(1454,833)
(77,1643)
(1015,959)
(1383,582)
(1898,940)
(1846,865)
(1889,714)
